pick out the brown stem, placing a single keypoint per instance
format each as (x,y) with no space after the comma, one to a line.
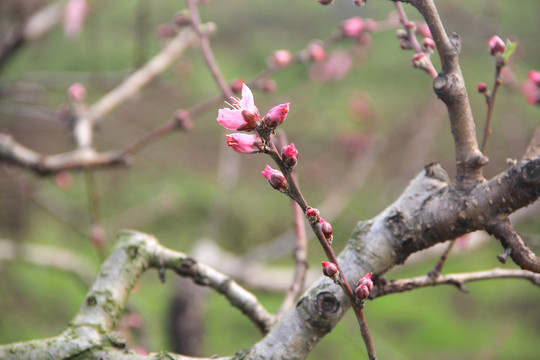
(491,101)
(436,271)
(359,311)
(207,50)
(450,88)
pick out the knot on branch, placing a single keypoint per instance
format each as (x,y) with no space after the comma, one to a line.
(448,87)
(321,310)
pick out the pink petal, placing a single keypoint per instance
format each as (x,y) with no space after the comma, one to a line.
(230,119)
(247,102)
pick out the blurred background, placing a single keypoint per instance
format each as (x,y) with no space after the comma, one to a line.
(363,131)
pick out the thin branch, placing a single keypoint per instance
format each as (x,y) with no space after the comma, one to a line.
(436,271)
(457,280)
(450,88)
(300,260)
(207,50)
(490,99)
(142,77)
(522,255)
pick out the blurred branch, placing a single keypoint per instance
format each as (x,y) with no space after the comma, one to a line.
(53,257)
(533,149)
(457,280)
(37,25)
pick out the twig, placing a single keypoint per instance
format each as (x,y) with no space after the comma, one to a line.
(207,49)
(457,280)
(522,255)
(436,271)
(300,260)
(490,100)
(450,88)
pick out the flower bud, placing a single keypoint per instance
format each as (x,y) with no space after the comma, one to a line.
(276,115)
(329,269)
(420,61)
(244,143)
(275,179)
(428,43)
(77,92)
(361,292)
(327,230)
(325,2)
(405,44)
(352,27)
(236,85)
(281,58)
(482,87)
(411,26)
(370,24)
(402,34)
(312,213)
(366,280)
(534,76)
(165,31)
(289,155)
(182,18)
(496,45)
(267,85)
(316,51)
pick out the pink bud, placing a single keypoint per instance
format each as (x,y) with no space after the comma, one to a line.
(275,178)
(420,61)
(316,51)
(361,292)
(329,269)
(276,115)
(182,18)
(289,155)
(244,143)
(281,58)
(267,85)
(496,45)
(411,26)
(366,280)
(352,27)
(423,29)
(237,85)
(405,44)
(531,90)
(428,43)
(77,92)
(482,87)
(312,213)
(326,229)
(534,76)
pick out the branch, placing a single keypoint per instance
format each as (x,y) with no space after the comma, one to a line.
(450,88)
(457,280)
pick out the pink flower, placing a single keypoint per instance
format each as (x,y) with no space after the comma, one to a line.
(496,45)
(329,269)
(74,16)
(275,178)
(244,143)
(531,89)
(281,58)
(276,115)
(352,27)
(289,155)
(243,115)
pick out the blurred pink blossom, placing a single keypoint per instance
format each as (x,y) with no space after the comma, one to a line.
(75,14)
(335,68)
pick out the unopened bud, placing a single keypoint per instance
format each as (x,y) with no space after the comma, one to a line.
(276,115)
(402,34)
(366,280)
(165,31)
(182,18)
(312,213)
(352,27)
(409,25)
(482,87)
(428,43)
(77,92)
(289,155)
(316,51)
(361,292)
(275,179)
(236,85)
(267,85)
(420,61)
(325,2)
(244,143)
(405,44)
(327,230)
(496,45)
(534,76)
(281,58)
(329,269)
